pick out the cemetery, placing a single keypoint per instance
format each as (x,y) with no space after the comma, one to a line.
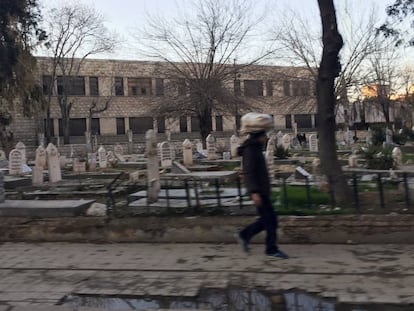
(181,178)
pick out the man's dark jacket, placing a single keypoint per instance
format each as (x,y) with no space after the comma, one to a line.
(256,176)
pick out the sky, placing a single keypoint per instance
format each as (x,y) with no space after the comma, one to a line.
(128,16)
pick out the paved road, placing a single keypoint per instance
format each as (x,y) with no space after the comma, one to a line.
(44,273)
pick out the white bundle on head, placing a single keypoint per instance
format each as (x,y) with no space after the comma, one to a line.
(254,122)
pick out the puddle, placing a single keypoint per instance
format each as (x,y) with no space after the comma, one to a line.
(231,299)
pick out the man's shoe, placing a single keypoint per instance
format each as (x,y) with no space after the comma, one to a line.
(243,243)
(278,254)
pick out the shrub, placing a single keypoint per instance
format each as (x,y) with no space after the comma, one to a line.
(281,152)
(378,134)
(378,158)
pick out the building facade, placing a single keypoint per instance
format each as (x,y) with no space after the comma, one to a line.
(129,89)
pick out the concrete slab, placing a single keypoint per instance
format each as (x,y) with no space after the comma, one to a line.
(46,208)
(12,182)
(205,175)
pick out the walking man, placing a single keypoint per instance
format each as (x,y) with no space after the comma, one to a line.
(256,179)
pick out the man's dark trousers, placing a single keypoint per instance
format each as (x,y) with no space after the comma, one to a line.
(267,221)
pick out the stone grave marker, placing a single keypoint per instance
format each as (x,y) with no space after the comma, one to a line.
(369,136)
(153,173)
(269,154)
(316,166)
(102,158)
(199,146)
(37,176)
(388,136)
(353,160)
(53,163)
(187,153)
(165,154)
(286,141)
(78,167)
(22,148)
(211,147)
(279,136)
(92,161)
(2,191)
(397,156)
(2,155)
(62,161)
(40,158)
(119,152)
(313,143)
(234,145)
(349,136)
(15,162)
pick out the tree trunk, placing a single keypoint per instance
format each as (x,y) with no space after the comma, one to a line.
(328,70)
(65,112)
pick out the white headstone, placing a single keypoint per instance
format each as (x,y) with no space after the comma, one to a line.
(199,146)
(349,136)
(286,141)
(153,173)
(37,176)
(187,153)
(15,162)
(397,156)
(2,155)
(165,150)
(313,143)
(353,160)
(211,147)
(40,159)
(270,152)
(92,161)
(369,137)
(22,148)
(119,152)
(388,136)
(102,158)
(53,163)
(234,145)
(279,136)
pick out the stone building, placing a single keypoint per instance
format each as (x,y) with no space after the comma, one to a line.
(132,88)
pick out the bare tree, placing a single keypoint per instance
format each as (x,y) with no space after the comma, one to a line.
(329,69)
(76,32)
(199,50)
(301,45)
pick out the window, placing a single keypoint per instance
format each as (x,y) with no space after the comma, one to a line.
(195,124)
(237,88)
(301,88)
(183,125)
(181,87)
(119,86)
(140,125)
(303,120)
(269,88)
(77,127)
(288,119)
(219,123)
(159,87)
(93,86)
(52,129)
(286,88)
(95,126)
(139,86)
(71,85)
(47,85)
(161,124)
(253,88)
(120,126)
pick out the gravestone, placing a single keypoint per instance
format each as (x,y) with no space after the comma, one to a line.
(15,162)
(111,159)
(397,156)
(62,161)
(40,158)
(234,145)
(286,141)
(349,136)
(353,160)
(72,152)
(130,142)
(78,167)
(270,152)
(2,191)
(53,163)
(119,152)
(187,153)
(153,173)
(388,136)
(91,161)
(199,146)
(22,148)
(369,136)
(211,147)
(313,143)
(340,136)
(279,136)
(102,159)
(37,176)
(165,154)
(2,155)
(316,166)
